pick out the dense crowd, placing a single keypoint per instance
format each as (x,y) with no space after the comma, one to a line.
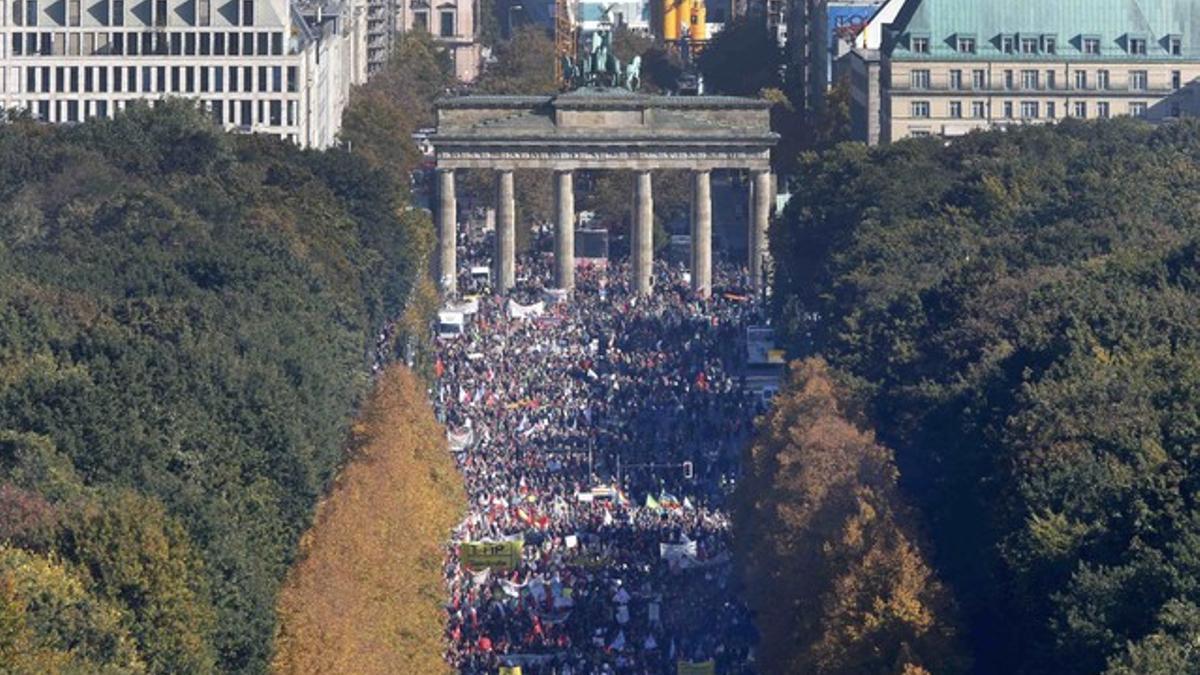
(572,423)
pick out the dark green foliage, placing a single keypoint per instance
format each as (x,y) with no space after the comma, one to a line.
(185,320)
(1022,312)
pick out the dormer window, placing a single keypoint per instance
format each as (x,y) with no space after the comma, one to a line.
(919,45)
(1029,45)
(1137,46)
(1049,44)
(1175,45)
(1007,44)
(966,45)
(1091,45)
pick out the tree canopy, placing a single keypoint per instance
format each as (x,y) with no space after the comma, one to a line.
(186,323)
(1019,312)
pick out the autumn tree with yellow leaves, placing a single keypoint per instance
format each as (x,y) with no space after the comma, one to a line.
(367,595)
(833,564)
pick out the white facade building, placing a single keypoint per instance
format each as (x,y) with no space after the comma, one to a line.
(255,65)
(454,24)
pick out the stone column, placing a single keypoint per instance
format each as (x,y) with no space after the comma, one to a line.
(702,232)
(643,236)
(447,215)
(506,232)
(760,216)
(564,234)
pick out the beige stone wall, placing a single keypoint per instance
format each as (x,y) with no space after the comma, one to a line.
(1053,96)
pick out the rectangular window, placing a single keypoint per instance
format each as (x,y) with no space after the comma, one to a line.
(1051,110)
(1175,45)
(276,44)
(31,13)
(263,85)
(956,81)
(264,44)
(1102,110)
(979,79)
(118,12)
(421,21)
(1137,46)
(1029,45)
(920,79)
(1008,110)
(203,12)
(1049,44)
(966,45)
(920,109)
(247,12)
(1030,79)
(978,110)
(160,13)
(205,44)
(73,12)
(247,44)
(1102,79)
(1091,46)
(1009,82)
(1030,110)
(1081,79)
(1137,109)
(1138,79)
(291,79)
(1176,79)
(956,110)
(1007,44)
(1050,79)
(189,44)
(176,47)
(118,85)
(447,23)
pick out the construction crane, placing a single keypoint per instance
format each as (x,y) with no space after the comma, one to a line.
(684,20)
(565,40)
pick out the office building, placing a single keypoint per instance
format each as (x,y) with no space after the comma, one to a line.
(255,65)
(454,24)
(945,67)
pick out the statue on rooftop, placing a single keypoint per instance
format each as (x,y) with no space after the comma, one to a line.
(599,66)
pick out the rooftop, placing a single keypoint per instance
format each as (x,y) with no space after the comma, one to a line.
(1117,24)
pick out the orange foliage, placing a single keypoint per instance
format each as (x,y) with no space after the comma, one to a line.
(830,555)
(366,596)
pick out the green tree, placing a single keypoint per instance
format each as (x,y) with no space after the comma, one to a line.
(523,65)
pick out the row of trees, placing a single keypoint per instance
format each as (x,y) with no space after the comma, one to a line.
(1019,313)
(367,595)
(830,551)
(185,322)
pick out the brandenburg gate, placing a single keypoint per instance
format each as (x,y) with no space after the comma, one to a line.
(603,128)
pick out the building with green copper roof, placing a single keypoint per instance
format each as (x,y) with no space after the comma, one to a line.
(949,66)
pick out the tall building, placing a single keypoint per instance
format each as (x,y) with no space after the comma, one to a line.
(945,67)
(453,23)
(382,22)
(256,65)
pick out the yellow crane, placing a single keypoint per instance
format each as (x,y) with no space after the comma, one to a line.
(564,38)
(684,20)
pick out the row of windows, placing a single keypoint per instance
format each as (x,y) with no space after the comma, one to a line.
(160,79)
(244,113)
(1138,80)
(445,25)
(1030,109)
(112,12)
(147,43)
(1048,44)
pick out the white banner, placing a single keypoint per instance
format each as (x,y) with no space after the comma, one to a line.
(683,554)
(518,311)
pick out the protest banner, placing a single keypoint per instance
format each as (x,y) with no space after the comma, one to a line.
(680,554)
(501,554)
(708,667)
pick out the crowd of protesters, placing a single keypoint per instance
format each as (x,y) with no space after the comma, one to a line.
(600,438)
